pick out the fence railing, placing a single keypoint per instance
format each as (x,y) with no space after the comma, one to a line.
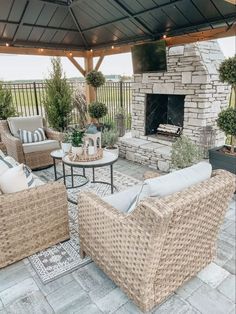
(28,99)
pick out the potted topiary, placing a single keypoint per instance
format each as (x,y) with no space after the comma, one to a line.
(224,157)
(97,110)
(95,79)
(77,141)
(109,140)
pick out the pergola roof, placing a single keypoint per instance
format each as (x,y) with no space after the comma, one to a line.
(93,24)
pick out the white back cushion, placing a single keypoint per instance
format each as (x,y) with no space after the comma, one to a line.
(25,123)
(16,175)
(179,180)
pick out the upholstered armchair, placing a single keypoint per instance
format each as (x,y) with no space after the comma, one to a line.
(35,155)
(162,243)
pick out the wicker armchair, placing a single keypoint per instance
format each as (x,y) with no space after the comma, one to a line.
(34,159)
(152,251)
(32,220)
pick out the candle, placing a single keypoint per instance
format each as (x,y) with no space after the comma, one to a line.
(91,150)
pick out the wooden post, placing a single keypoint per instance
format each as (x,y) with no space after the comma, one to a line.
(88,64)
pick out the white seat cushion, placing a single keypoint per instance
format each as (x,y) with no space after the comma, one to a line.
(179,180)
(40,146)
(25,123)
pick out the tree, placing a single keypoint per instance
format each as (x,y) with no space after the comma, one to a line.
(58,98)
(227,71)
(6,107)
(227,123)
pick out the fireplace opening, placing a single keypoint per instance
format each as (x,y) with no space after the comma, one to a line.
(162,109)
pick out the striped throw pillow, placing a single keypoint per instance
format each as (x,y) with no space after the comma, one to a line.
(31,137)
(8,162)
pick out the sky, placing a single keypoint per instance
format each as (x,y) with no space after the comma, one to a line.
(18,67)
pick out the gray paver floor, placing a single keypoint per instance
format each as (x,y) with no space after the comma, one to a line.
(89,291)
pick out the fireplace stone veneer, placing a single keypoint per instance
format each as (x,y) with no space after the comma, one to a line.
(192,72)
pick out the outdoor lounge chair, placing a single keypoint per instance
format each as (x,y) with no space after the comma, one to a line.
(32,220)
(35,155)
(162,243)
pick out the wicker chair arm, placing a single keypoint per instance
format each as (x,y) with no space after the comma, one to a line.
(53,135)
(124,238)
(14,147)
(32,220)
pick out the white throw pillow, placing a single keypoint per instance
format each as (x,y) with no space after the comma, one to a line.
(13,180)
(179,180)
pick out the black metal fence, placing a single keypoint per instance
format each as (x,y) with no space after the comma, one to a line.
(28,99)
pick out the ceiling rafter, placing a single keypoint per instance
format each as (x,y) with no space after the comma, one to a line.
(133,15)
(20,21)
(78,27)
(134,19)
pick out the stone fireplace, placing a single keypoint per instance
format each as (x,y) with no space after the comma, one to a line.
(189,94)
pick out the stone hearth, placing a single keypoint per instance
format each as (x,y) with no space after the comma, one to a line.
(192,72)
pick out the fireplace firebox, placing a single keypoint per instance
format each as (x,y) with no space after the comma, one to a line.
(163,109)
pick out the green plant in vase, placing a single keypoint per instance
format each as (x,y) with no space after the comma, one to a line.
(77,141)
(109,140)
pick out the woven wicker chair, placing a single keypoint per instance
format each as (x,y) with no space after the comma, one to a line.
(164,242)
(32,220)
(14,148)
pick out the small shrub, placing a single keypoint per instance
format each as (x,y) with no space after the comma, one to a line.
(227,123)
(109,138)
(95,78)
(6,108)
(227,71)
(77,138)
(97,110)
(58,98)
(184,153)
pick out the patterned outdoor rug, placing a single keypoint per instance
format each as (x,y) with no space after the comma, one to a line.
(64,257)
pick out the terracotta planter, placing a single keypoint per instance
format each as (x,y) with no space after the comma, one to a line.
(220,160)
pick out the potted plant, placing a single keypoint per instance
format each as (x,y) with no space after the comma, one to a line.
(224,157)
(97,110)
(66,142)
(184,153)
(109,140)
(120,122)
(95,79)
(6,107)
(77,141)
(58,97)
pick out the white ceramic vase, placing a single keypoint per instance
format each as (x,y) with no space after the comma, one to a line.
(114,151)
(66,147)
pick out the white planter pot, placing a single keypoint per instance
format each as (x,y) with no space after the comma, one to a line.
(114,151)
(77,150)
(66,147)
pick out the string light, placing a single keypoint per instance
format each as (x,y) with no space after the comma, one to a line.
(91,50)
(7,45)
(70,54)
(112,47)
(164,36)
(41,49)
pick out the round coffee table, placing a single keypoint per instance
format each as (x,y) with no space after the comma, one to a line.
(59,155)
(108,160)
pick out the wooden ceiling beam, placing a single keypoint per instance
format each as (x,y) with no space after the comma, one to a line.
(77,65)
(231,1)
(41,52)
(98,64)
(211,34)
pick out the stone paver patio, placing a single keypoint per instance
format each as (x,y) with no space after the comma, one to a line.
(89,291)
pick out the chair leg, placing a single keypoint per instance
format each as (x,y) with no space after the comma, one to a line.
(82,253)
